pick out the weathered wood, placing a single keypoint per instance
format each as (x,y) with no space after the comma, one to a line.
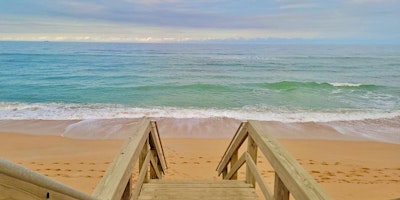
(172,189)
(155,171)
(142,159)
(236,167)
(128,190)
(280,190)
(225,172)
(17,182)
(156,143)
(252,151)
(257,176)
(117,176)
(300,184)
(141,177)
(236,142)
(234,159)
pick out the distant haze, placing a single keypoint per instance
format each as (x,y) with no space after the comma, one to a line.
(274,21)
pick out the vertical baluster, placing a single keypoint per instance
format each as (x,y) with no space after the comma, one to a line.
(143,157)
(280,190)
(252,151)
(128,190)
(234,159)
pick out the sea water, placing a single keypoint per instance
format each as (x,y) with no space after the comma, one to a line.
(287,83)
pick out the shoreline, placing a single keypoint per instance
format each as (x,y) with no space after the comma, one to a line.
(380,130)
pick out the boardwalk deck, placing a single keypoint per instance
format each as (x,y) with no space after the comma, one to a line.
(195,189)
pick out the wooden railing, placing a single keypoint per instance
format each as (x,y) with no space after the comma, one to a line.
(17,182)
(144,145)
(290,177)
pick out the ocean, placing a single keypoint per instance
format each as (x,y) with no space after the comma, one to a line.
(285,83)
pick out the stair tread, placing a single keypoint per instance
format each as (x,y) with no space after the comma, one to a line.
(197,189)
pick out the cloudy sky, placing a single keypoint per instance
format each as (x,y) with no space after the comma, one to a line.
(200,20)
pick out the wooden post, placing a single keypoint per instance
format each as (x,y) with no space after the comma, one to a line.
(128,190)
(153,174)
(143,157)
(224,172)
(280,190)
(234,159)
(252,150)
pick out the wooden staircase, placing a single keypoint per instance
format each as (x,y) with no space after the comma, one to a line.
(197,189)
(143,147)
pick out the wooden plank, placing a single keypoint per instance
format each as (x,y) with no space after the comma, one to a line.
(258,177)
(234,159)
(162,181)
(158,145)
(198,185)
(156,171)
(142,158)
(128,190)
(141,177)
(236,167)
(112,185)
(205,193)
(236,142)
(252,151)
(280,190)
(300,184)
(17,182)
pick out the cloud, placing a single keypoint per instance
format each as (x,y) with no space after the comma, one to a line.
(179,20)
(299,5)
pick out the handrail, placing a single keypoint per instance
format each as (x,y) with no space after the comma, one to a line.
(237,141)
(117,181)
(17,182)
(290,177)
(144,144)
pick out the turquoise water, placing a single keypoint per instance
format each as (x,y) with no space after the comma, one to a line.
(55,80)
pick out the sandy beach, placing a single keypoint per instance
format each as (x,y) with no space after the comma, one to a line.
(346,169)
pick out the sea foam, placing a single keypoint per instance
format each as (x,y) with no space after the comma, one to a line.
(58,111)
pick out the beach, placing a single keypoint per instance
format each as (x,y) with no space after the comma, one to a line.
(346,168)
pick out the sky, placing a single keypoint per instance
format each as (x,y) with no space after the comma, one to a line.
(346,21)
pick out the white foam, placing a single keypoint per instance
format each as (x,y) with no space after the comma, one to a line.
(55,111)
(345,84)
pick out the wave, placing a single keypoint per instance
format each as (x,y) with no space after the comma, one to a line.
(284,85)
(207,87)
(58,111)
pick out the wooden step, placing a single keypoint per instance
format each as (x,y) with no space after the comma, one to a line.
(221,189)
